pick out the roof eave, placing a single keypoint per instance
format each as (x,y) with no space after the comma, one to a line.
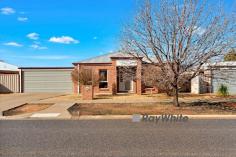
(90,63)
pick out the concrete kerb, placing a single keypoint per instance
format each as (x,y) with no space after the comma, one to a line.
(103,117)
(115,117)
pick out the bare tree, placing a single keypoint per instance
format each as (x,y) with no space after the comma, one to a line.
(180,37)
(153,76)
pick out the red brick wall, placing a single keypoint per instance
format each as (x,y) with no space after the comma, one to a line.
(112,77)
(110,72)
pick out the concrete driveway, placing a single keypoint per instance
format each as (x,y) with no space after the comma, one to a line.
(8,101)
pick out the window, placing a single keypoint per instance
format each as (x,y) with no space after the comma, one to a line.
(103,83)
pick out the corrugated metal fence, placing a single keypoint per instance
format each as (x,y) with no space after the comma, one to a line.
(9,83)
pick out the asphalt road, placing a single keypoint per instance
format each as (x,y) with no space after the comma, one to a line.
(118,138)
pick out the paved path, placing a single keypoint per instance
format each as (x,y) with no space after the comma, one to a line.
(8,101)
(59,107)
(117,138)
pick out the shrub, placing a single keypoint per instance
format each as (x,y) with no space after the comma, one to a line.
(84,77)
(88,77)
(75,75)
(231,56)
(223,90)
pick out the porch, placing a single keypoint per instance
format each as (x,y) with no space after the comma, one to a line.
(127,75)
(126,79)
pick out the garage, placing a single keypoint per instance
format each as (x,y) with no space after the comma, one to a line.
(224,73)
(225,77)
(46,79)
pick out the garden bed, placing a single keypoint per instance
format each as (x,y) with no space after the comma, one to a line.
(26,108)
(199,108)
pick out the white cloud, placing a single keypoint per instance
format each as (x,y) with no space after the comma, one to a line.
(95,38)
(33,36)
(199,30)
(38,47)
(7,11)
(63,40)
(22,19)
(13,44)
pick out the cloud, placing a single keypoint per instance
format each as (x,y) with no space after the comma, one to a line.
(33,36)
(22,19)
(63,40)
(95,38)
(7,11)
(199,30)
(38,47)
(13,44)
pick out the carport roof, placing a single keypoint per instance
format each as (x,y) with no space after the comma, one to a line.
(7,67)
(45,67)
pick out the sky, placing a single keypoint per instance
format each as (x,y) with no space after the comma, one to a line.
(58,32)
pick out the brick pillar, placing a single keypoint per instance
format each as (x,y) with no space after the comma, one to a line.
(75,84)
(113,78)
(138,77)
(75,88)
(87,91)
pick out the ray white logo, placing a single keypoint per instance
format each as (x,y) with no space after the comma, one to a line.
(159,118)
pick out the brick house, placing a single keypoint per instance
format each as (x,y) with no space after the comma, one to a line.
(115,79)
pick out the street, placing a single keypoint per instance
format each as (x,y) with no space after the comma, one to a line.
(117,138)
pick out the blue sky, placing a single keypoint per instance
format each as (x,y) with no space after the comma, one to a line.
(59,32)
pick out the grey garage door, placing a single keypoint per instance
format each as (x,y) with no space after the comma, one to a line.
(47,80)
(226,77)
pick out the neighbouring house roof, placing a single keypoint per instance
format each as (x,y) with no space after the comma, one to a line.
(224,64)
(7,67)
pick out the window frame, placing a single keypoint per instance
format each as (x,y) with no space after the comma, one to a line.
(103,81)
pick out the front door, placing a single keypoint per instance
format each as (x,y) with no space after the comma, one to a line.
(125,82)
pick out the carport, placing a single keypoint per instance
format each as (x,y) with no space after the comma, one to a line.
(9,78)
(46,79)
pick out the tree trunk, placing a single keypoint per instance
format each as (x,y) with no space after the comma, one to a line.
(176,97)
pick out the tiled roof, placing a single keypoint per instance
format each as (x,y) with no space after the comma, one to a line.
(104,58)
